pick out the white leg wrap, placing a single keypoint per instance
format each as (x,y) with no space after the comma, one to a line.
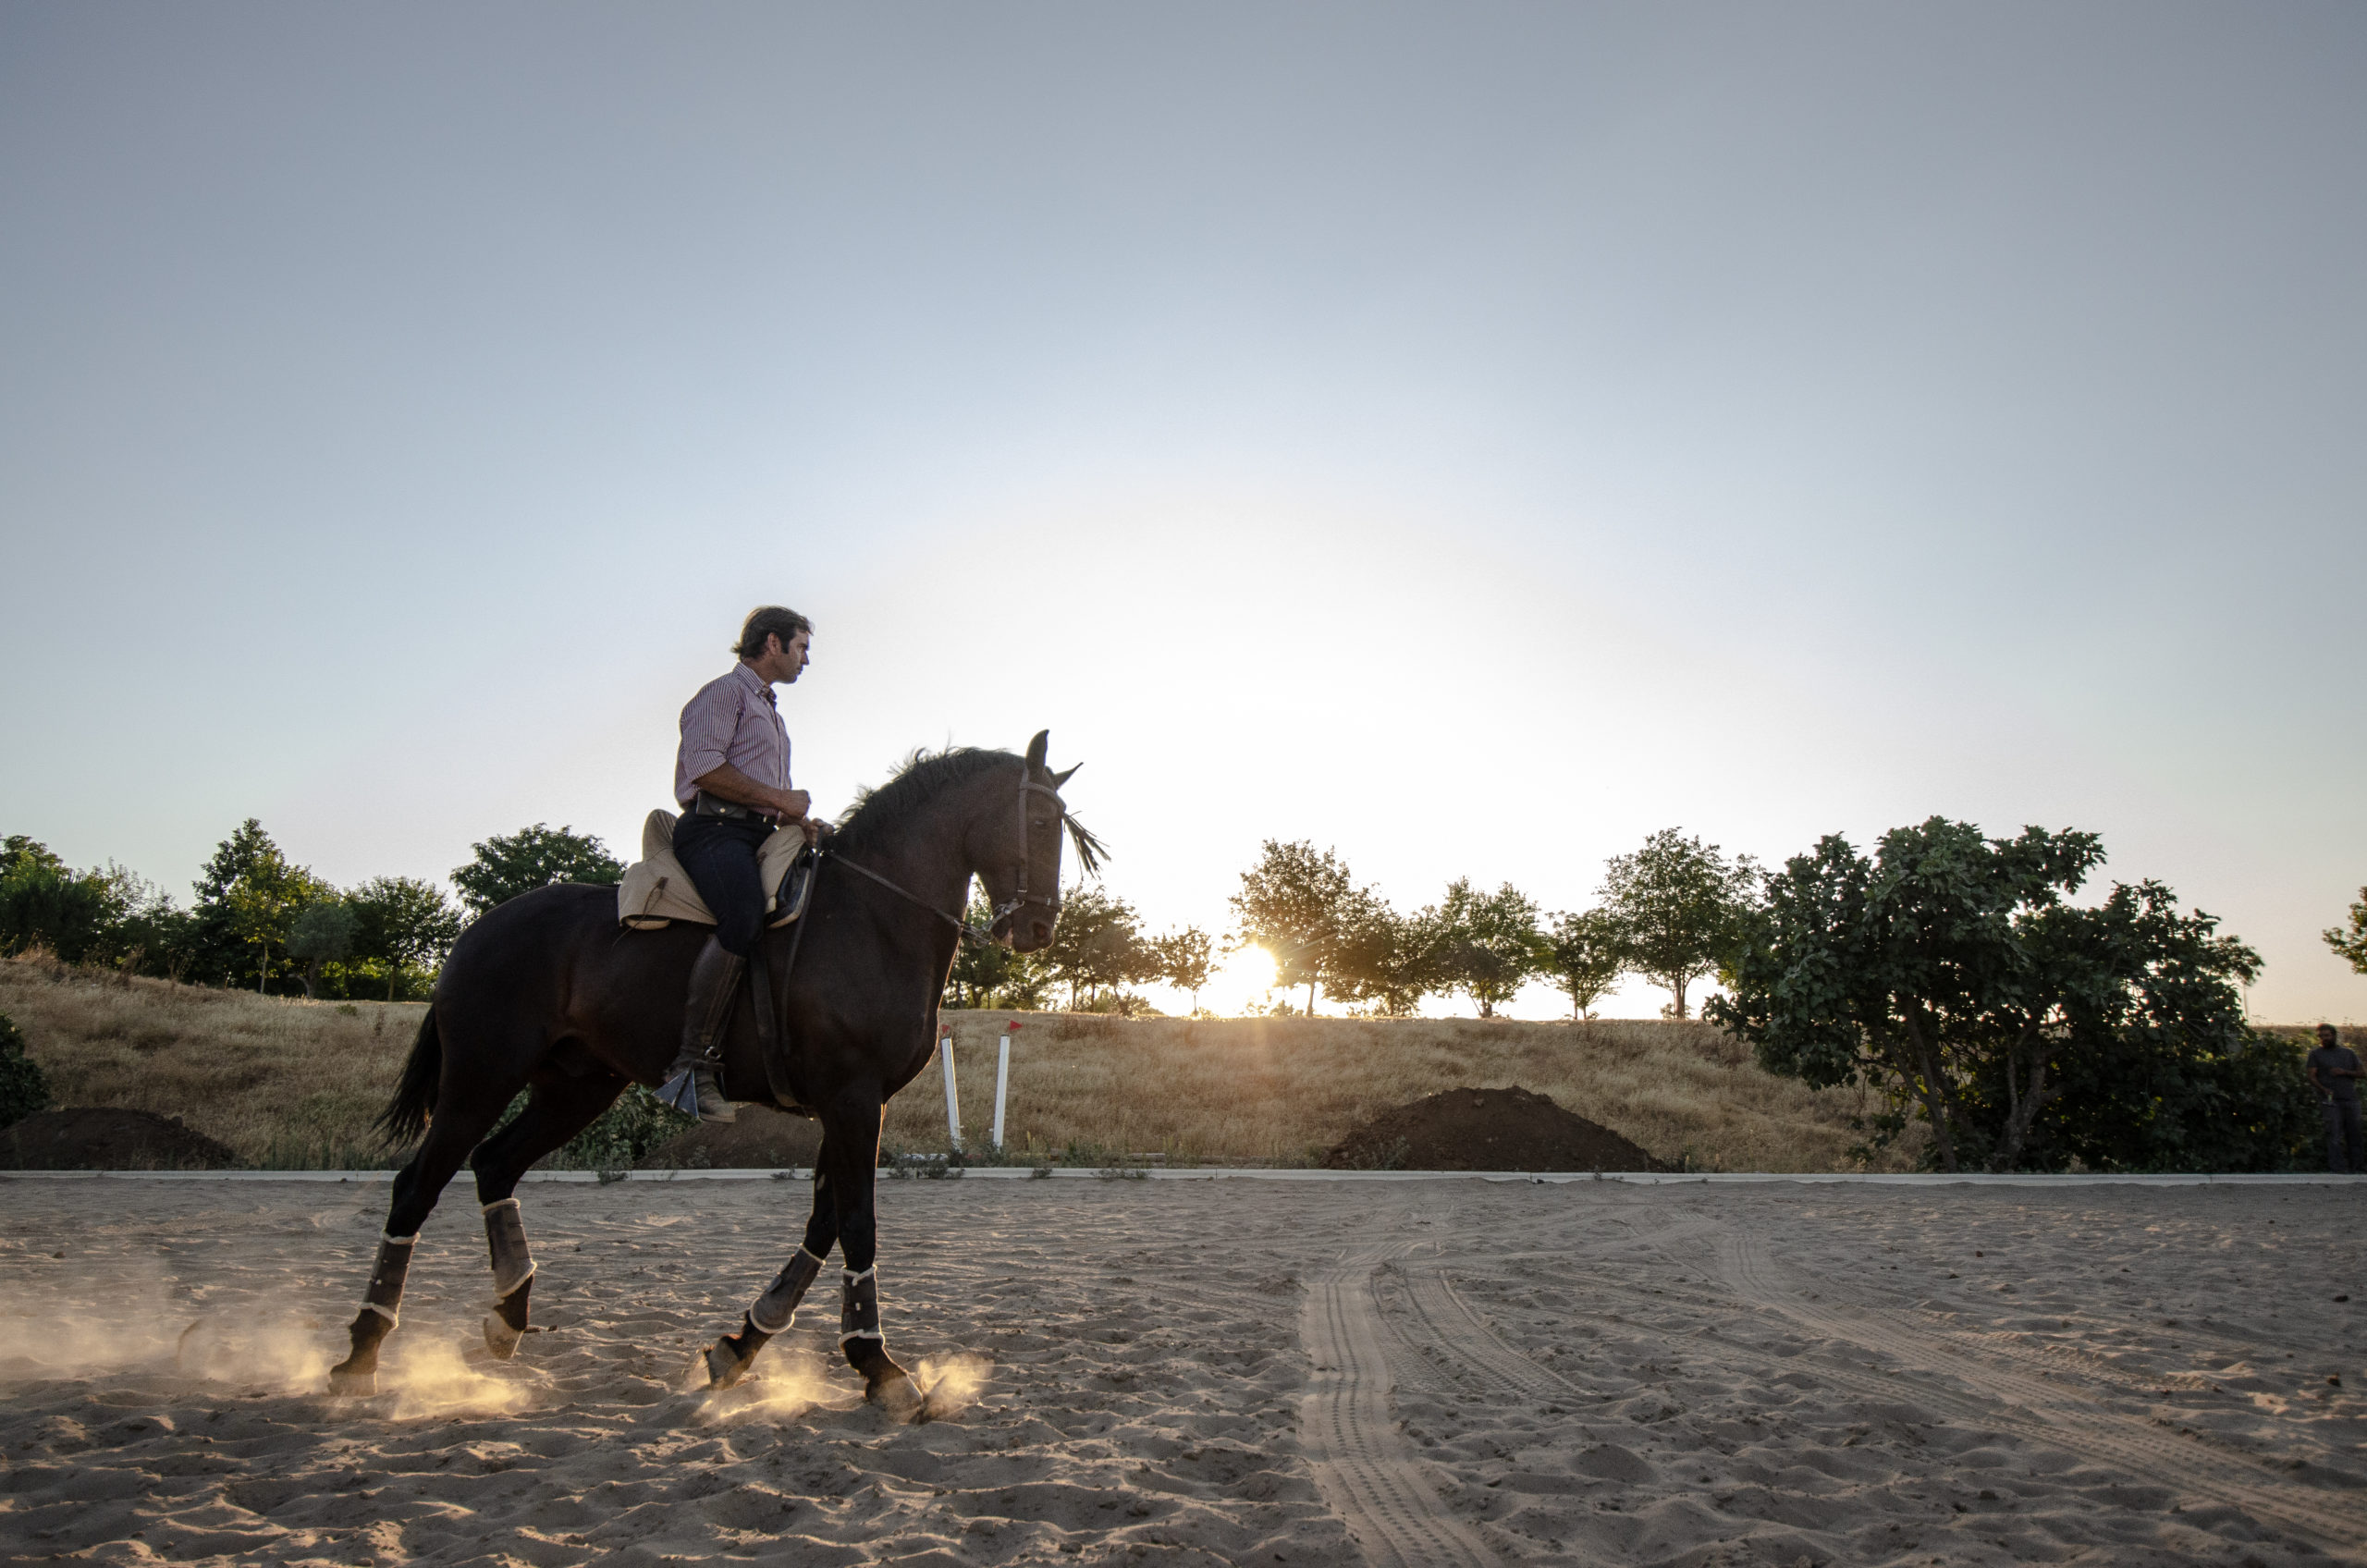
(776,1307)
(859,1305)
(505,1234)
(384,1295)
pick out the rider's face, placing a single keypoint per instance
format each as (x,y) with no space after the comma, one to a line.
(782,662)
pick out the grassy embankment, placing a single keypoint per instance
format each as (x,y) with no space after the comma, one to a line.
(293,1085)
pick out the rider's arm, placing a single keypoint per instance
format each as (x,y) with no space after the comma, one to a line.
(728,783)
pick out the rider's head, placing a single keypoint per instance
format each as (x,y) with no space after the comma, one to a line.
(773,641)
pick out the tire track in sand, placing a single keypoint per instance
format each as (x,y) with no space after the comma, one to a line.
(1448,1322)
(2027,1404)
(2044,1411)
(1363,1463)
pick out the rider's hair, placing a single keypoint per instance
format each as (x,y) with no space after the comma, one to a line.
(769,620)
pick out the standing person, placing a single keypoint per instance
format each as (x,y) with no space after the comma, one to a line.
(2333,1070)
(731,780)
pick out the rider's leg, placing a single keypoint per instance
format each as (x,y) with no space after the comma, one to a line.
(719,854)
(691,1083)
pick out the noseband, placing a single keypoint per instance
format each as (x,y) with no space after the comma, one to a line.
(1020,899)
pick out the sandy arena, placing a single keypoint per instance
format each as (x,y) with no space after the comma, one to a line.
(1448,1372)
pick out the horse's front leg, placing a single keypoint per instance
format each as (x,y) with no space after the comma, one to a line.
(854,1186)
(728,1358)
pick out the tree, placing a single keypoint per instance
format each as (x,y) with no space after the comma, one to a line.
(1680,907)
(1950,972)
(43,902)
(1095,945)
(1584,953)
(1297,904)
(403,921)
(18,853)
(2349,944)
(531,858)
(1488,943)
(321,933)
(248,899)
(1389,960)
(1185,958)
(2141,1058)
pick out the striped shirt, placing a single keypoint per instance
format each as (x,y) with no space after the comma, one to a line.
(733,719)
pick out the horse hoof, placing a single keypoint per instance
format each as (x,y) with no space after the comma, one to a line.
(353,1385)
(897,1396)
(724,1367)
(500,1337)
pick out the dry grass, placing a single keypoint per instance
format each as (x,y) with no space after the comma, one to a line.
(293,1085)
(1280,1091)
(287,1084)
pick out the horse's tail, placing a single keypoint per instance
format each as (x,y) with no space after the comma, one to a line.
(406,1115)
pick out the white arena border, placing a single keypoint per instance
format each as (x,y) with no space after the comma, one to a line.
(1224,1173)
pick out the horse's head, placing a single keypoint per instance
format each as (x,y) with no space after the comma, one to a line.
(1021,869)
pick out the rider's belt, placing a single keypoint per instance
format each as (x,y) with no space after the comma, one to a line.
(705,805)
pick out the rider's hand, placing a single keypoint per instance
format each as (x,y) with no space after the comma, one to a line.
(792,804)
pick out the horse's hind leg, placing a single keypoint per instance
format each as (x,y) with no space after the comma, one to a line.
(728,1358)
(417,1186)
(556,1109)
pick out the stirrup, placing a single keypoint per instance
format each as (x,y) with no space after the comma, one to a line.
(680,1093)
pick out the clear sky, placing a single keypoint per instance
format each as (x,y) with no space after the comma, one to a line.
(1471,437)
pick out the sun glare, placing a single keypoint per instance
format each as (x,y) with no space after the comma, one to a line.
(1245,977)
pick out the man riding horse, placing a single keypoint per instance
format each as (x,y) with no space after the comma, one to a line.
(731,780)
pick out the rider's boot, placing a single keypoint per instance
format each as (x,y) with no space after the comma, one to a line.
(693,1084)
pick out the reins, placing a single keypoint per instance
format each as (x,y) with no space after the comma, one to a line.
(969,933)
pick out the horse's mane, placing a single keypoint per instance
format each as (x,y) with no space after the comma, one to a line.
(878,815)
(880,810)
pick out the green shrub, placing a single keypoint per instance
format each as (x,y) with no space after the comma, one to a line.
(2148,1101)
(617,1138)
(24,1088)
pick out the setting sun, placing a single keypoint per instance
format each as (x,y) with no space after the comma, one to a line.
(1245,976)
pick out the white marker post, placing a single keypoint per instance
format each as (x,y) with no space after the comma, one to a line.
(1002,1075)
(952,1100)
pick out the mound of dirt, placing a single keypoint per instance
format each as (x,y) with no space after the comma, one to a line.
(762,1139)
(1486,1130)
(85,1138)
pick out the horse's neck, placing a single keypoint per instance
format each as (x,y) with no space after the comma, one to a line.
(931,851)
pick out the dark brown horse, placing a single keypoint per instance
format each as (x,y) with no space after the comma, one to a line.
(549,994)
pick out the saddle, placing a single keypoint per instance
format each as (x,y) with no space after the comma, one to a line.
(657,891)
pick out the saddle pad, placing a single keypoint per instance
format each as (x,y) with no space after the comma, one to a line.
(657,891)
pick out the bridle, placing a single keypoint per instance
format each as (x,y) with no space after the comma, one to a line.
(1003,912)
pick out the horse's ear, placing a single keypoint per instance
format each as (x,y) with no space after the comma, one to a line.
(1036,748)
(1060,778)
